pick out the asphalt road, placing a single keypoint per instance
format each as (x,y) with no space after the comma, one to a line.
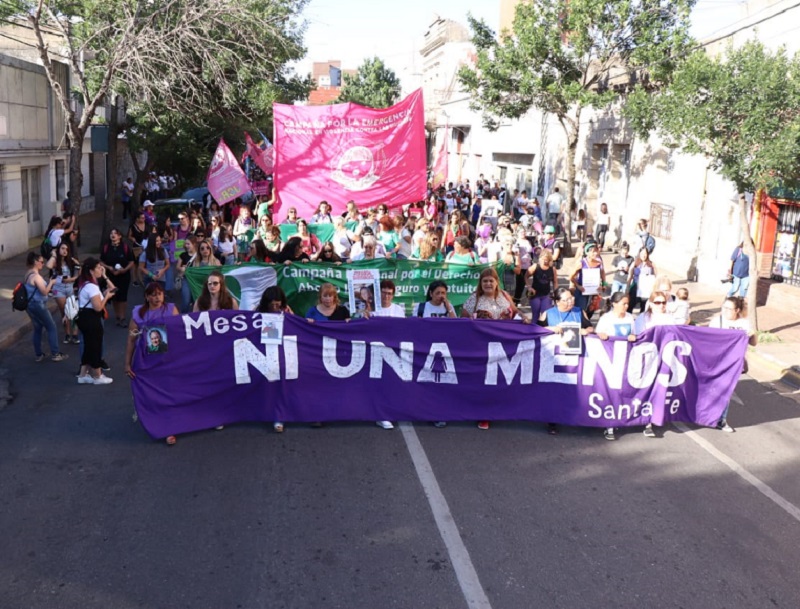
(95,514)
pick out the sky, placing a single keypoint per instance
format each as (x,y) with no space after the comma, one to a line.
(355,30)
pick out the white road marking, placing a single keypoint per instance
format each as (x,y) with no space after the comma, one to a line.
(762,487)
(459,556)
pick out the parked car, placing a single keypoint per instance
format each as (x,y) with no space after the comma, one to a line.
(171,208)
(199,194)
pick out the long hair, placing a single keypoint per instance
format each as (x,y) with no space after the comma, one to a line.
(154,253)
(428,246)
(270,294)
(212,259)
(287,251)
(225,298)
(61,260)
(260,254)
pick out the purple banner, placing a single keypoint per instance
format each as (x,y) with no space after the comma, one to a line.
(217,370)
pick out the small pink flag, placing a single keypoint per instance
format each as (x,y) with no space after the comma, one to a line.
(226,180)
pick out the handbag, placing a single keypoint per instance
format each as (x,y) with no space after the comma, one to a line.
(71,307)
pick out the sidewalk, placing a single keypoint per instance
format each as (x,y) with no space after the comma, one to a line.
(778,349)
(14,325)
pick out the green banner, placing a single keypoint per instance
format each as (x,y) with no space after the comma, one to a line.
(324,232)
(301,281)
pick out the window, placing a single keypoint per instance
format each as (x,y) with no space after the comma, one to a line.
(61,188)
(661,220)
(3,210)
(503,174)
(30,193)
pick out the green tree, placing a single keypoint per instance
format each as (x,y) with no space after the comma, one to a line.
(193,57)
(742,112)
(563,56)
(374,85)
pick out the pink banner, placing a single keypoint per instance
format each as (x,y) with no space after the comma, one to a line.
(262,188)
(348,152)
(226,180)
(440,167)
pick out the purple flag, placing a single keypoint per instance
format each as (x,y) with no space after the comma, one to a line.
(425,370)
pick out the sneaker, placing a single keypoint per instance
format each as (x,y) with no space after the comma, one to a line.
(219,427)
(75,340)
(723,426)
(85,379)
(59,357)
(67,340)
(608,434)
(440,424)
(39,358)
(552,429)
(278,427)
(483,424)
(103,380)
(104,366)
(648,432)
(384,424)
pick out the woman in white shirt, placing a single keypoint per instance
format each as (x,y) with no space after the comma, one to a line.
(732,317)
(601,226)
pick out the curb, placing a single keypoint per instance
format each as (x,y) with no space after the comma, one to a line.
(12,336)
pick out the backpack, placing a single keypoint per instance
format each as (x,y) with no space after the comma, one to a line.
(649,243)
(20,297)
(46,248)
(124,247)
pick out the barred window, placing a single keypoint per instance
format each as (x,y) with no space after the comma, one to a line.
(661,220)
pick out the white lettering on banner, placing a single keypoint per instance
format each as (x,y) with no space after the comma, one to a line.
(613,368)
(670,357)
(439,366)
(290,357)
(549,361)
(623,412)
(358,358)
(643,365)
(267,362)
(293,271)
(203,321)
(402,363)
(498,360)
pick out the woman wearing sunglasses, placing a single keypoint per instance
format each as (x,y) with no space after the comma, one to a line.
(215,295)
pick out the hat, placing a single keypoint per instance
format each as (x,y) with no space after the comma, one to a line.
(148,203)
(589,246)
(549,230)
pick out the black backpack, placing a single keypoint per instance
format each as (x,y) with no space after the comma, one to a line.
(19,297)
(46,248)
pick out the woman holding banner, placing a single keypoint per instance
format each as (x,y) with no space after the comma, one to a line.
(733,317)
(618,323)
(292,251)
(328,307)
(149,314)
(215,295)
(273,300)
(489,301)
(564,316)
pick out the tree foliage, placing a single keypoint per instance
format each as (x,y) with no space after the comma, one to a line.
(742,112)
(194,58)
(374,85)
(566,55)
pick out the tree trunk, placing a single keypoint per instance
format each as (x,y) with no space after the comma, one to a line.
(113,167)
(75,140)
(750,249)
(142,174)
(572,130)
